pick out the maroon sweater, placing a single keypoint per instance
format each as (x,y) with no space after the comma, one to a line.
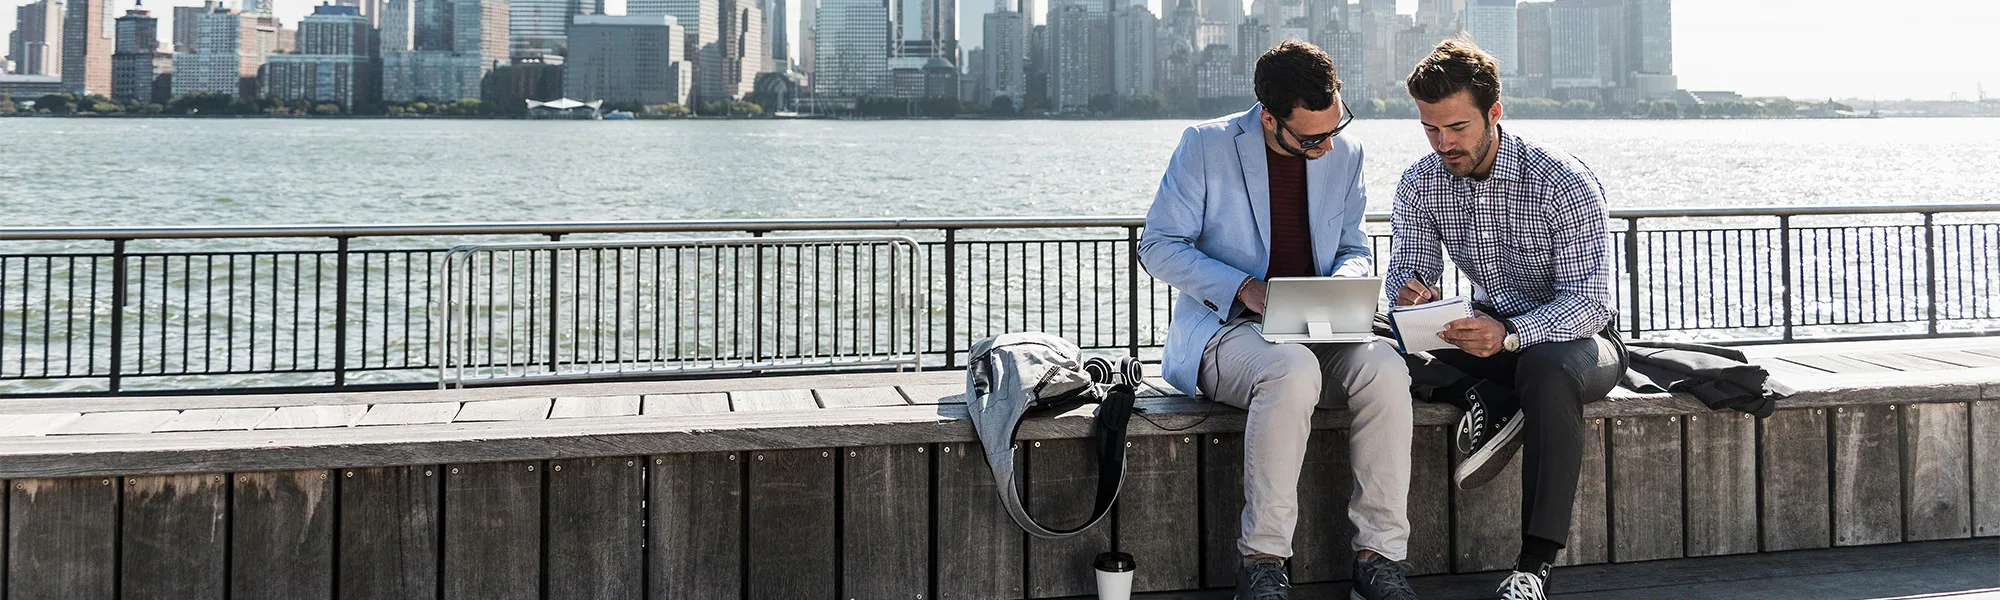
(1291,226)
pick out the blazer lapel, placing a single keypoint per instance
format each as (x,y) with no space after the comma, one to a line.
(1256,174)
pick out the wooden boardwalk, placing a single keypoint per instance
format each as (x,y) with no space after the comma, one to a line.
(860,486)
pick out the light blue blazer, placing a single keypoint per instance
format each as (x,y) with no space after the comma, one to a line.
(1210,227)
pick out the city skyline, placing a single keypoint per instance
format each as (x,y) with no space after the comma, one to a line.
(1904,55)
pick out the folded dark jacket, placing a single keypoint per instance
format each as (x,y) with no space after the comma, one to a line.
(1721,378)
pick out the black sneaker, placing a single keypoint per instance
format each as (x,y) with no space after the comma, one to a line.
(1263,579)
(1379,578)
(1524,585)
(1488,434)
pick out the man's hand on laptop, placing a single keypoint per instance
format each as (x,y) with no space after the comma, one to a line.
(1414,292)
(1252,294)
(1479,335)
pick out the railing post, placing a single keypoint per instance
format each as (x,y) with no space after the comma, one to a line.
(950,298)
(1785,269)
(1632,270)
(757,306)
(1132,290)
(340,314)
(1930,271)
(118,281)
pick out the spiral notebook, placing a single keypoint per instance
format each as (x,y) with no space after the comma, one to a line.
(1417,327)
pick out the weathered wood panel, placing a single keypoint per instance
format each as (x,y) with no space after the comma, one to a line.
(684,404)
(62,539)
(1487,528)
(281,536)
(935,393)
(409,413)
(1902,362)
(1985,454)
(1430,501)
(389,532)
(868,396)
(1793,469)
(1867,476)
(217,419)
(511,409)
(762,400)
(1646,494)
(1323,543)
(596,529)
(791,521)
(885,533)
(1062,483)
(595,406)
(979,547)
(313,417)
(1222,508)
(1590,517)
(1937,490)
(172,543)
(492,531)
(28,425)
(689,555)
(1721,484)
(130,421)
(1161,525)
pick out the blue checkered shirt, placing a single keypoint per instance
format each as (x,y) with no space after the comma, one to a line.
(1531,237)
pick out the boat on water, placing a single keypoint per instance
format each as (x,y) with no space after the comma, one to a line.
(619,115)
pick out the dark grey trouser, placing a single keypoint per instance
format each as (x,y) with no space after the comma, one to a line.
(1554,381)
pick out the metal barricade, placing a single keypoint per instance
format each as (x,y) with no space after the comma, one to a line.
(563,310)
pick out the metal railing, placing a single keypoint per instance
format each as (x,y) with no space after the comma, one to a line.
(123,310)
(573,310)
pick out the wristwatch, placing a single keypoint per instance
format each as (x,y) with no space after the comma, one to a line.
(1513,341)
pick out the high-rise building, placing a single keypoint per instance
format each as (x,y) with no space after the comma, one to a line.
(1649,38)
(777,28)
(1006,58)
(1079,55)
(186,18)
(136,62)
(228,51)
(88,27)
(1344,46)
(36,47)
(1493,27)
(700,22)
(627,60)
(537,27)
(851,49)
(1228,14)
(1533,43)
(1176,51)
(480,28)
(1587,47)
(335,63)
(1440,16)
(1217,75)
(454,45)
(741,27)
(808,9)
(1134,51)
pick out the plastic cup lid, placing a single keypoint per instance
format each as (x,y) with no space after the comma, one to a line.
(1115,562)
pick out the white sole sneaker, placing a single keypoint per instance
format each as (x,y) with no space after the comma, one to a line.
(1487,462)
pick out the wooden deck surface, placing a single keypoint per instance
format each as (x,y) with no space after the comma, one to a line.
(1945,570)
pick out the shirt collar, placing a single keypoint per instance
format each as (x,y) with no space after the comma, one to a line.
(1508,164)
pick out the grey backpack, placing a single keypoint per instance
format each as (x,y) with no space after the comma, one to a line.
(1013,375)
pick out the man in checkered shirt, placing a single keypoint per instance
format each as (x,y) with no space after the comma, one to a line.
(1526,224)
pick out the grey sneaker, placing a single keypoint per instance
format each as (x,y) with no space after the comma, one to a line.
(1379,578)
(1263,579)
(1526,586)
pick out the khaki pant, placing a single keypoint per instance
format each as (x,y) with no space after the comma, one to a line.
(1280,384)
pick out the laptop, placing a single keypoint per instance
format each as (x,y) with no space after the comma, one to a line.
(1321,310)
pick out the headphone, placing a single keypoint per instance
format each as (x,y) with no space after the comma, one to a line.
(1127,371)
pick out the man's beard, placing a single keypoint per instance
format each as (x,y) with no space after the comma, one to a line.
(1479,156)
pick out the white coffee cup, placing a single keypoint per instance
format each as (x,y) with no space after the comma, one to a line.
(1114,575)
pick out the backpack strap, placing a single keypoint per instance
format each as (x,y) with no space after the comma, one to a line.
(1108,430)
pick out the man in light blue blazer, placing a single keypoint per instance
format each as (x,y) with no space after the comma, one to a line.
(1273,192)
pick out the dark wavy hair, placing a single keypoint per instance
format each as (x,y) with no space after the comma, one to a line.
(1295,74)
(1457,65)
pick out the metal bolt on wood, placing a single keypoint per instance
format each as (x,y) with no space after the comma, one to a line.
(630,463)
(531,468)
(1673,419)
(454,470)
(662,461)
(1187,440)
(852,454)
(350,474)
(1038,444)
(947,449)
(107,482)
(732,458)
(243,480)
(760,458)
(825,454)
(558,468)
(920,449)
(427,472)
(1214,441)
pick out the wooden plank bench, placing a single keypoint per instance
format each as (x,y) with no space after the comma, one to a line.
(870,486)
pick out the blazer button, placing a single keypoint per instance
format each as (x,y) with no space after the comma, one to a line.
(1210,305)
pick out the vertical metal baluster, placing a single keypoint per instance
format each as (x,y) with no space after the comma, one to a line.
(1785,268)
(950,298)
(1931,271)
(118,282)
(91,346)
(1132,290)
(69,317)
(1632,273)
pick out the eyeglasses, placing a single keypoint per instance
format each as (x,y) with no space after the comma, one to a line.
(1313,142)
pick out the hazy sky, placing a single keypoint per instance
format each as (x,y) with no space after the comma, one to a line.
(1891,49)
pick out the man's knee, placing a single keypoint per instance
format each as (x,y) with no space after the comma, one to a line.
(1557,370)
(1379,371)
(1292,375)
